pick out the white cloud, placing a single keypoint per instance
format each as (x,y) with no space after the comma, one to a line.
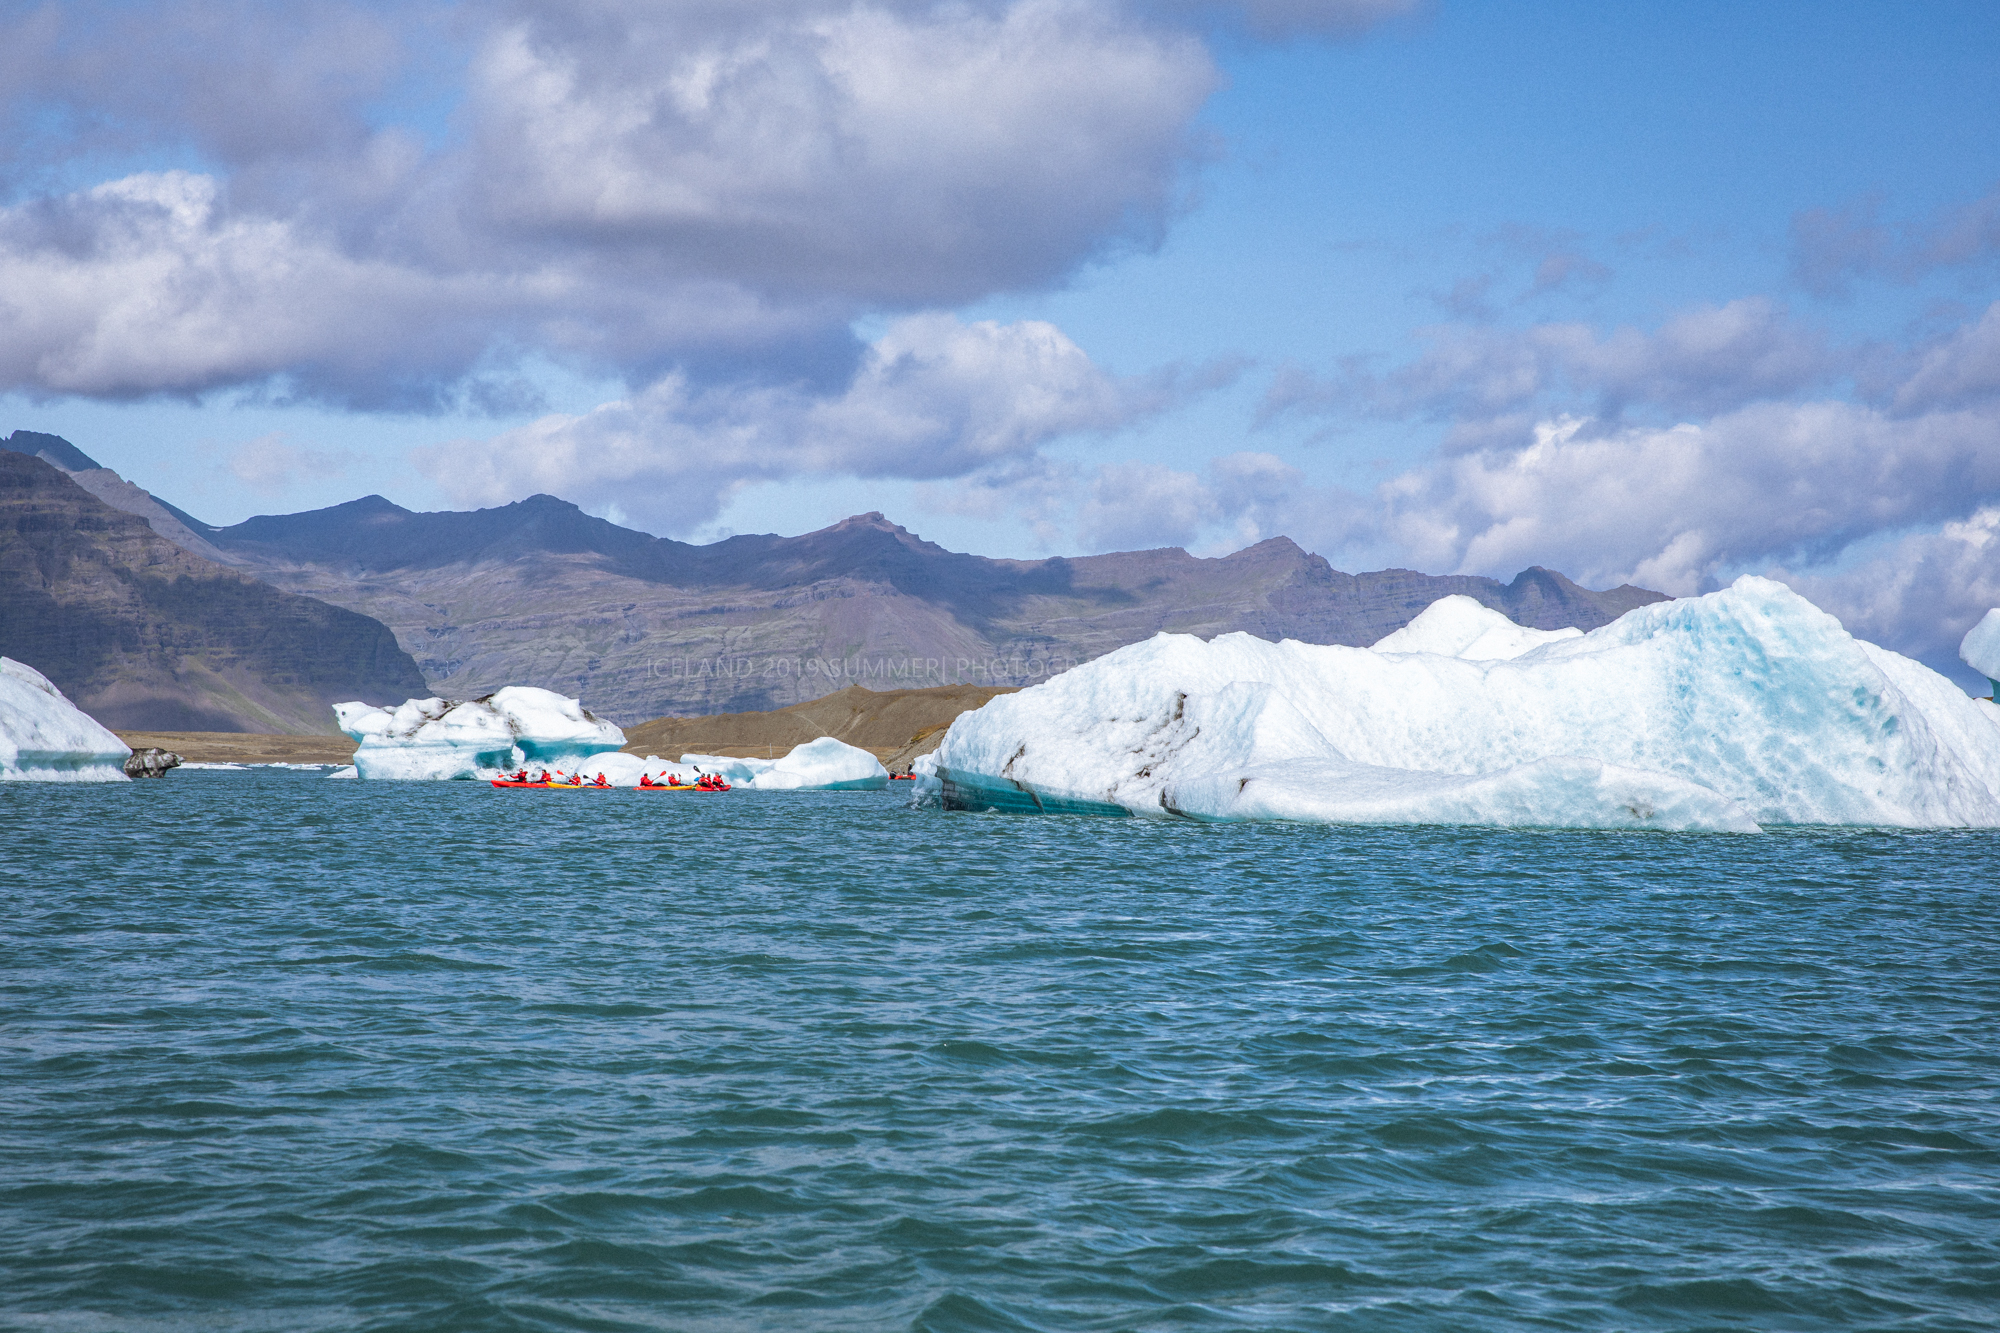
(1672,508)
(719,189)
(1236,500)
(1921,593)
(933,398)
(1703,360)
(912,157)
(150,284)
(1961,369)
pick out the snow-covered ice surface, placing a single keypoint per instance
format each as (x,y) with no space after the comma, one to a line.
(441,738)
(1457,626)
(822,765)
(1748,706)
(46,738)
(1980,648)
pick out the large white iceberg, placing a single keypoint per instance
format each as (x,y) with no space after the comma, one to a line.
(822,765)
(46,738)
(1749,706)
(1980,649)
(516,727)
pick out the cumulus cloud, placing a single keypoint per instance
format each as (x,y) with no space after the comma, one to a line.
(908,155)
(1672,508)
(933,398)
(1920,593)
(241,81)
(636,188)
(1957,370)
(1143,505)
(1703,360)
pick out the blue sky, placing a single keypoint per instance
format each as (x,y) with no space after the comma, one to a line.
(1666,293)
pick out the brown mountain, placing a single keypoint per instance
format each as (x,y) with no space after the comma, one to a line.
(540,593)
(141,633)
(638,627)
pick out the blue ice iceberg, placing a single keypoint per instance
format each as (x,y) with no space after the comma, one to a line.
(443,738)
(46,738)
(1746,707)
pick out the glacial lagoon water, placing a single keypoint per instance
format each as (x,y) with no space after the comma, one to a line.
(284,1053)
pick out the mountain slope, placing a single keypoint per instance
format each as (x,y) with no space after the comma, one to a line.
(113,489)
(141,633)
(638,627)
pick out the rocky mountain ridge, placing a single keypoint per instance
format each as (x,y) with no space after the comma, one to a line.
(538,592)
(141,633)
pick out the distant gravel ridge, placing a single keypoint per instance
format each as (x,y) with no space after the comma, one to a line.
(895,726)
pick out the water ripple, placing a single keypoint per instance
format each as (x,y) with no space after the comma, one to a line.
(283,1053)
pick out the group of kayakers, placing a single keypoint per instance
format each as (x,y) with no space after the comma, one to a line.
(556,779)
(706,782)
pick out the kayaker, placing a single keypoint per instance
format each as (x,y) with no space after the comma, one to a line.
(601,782)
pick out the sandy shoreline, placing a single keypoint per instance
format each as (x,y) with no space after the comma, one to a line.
(242,747)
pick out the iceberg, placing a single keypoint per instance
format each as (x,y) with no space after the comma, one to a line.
(1457,626)
(1980,649)
(444,738)
(1743,708)
(46,738)
(822,765)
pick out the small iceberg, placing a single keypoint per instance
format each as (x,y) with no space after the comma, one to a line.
(512,728)
(1980,649)
(1727,712)
(822,765)
(46,738)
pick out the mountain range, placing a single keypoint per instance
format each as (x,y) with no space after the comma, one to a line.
(636,626)
(141,633)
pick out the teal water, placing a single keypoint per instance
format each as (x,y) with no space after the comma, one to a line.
(284,1053)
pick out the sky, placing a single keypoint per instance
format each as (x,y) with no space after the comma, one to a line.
(1650,293)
